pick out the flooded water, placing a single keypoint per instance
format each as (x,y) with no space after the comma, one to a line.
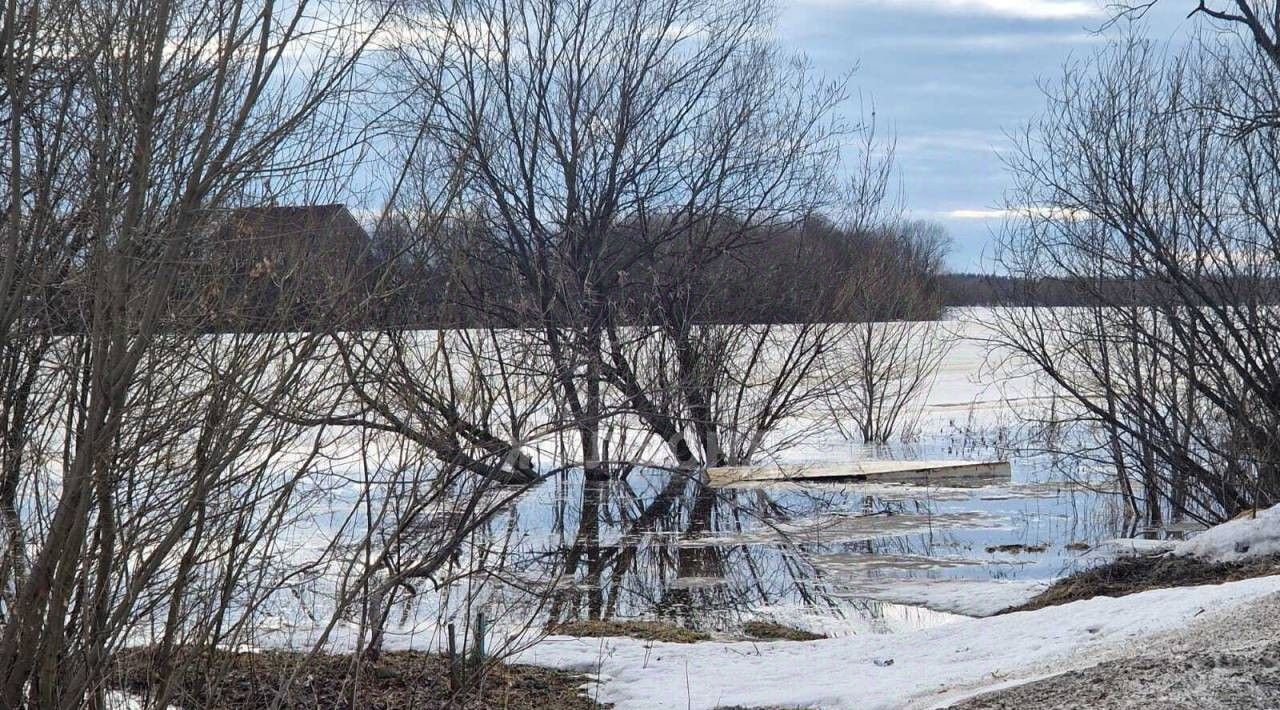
(830,557)
(834,558)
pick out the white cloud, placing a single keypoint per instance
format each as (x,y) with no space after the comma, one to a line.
(993,42)
(976,214)
(1021,9)
(943,142)
(1026,211)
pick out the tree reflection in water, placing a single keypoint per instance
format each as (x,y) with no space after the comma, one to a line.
(660,544)
(639,547)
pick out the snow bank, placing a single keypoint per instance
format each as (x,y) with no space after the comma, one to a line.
(119,700)
(1238,539)
(883,671)
(1132,546)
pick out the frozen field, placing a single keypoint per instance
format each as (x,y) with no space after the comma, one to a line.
(900,577)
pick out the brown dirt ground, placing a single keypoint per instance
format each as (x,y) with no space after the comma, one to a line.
(397,680)
(771,631)
(644,630)
(1128,575)
(1238,679)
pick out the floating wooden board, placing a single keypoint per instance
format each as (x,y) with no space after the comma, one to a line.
(934,473)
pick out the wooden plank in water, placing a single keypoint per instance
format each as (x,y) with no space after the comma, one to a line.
(936,473)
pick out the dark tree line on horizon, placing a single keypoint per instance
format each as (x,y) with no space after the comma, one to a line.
(809,272)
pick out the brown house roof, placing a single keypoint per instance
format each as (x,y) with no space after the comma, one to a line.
(323,227)
(286,265)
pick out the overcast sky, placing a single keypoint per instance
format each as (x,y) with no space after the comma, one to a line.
(951,78)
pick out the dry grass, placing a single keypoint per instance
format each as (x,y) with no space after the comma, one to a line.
(1128,575)
(771,631)
(240,681)
(646,630)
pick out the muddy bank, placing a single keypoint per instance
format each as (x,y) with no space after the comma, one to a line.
(644,630)
(396,680)
(1245,678)
(1128,575)
(672,633)
(771,631)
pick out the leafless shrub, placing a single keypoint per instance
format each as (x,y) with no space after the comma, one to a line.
(1138,186)
(888,362)
(154,485)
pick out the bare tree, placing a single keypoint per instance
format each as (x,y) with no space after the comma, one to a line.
(1138,188)
(888,361)
(210,444)
(586,139)
(128,128)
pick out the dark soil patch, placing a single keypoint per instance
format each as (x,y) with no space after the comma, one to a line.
(1237,679)
(1128,575)
(645,630)
(239,681)
(770,631)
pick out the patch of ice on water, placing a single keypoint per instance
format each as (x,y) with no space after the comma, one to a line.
(842,528)
(970,597)
(863,563)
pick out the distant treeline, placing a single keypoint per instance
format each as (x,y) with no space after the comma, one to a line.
(308,274)
(814,271)
(967,289)
(313,268)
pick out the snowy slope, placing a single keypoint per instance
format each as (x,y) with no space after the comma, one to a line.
(1244,537)
(884,671)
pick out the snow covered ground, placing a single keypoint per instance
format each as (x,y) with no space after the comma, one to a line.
(969,597)
(1228,660)
(1244,537)
(915,669)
